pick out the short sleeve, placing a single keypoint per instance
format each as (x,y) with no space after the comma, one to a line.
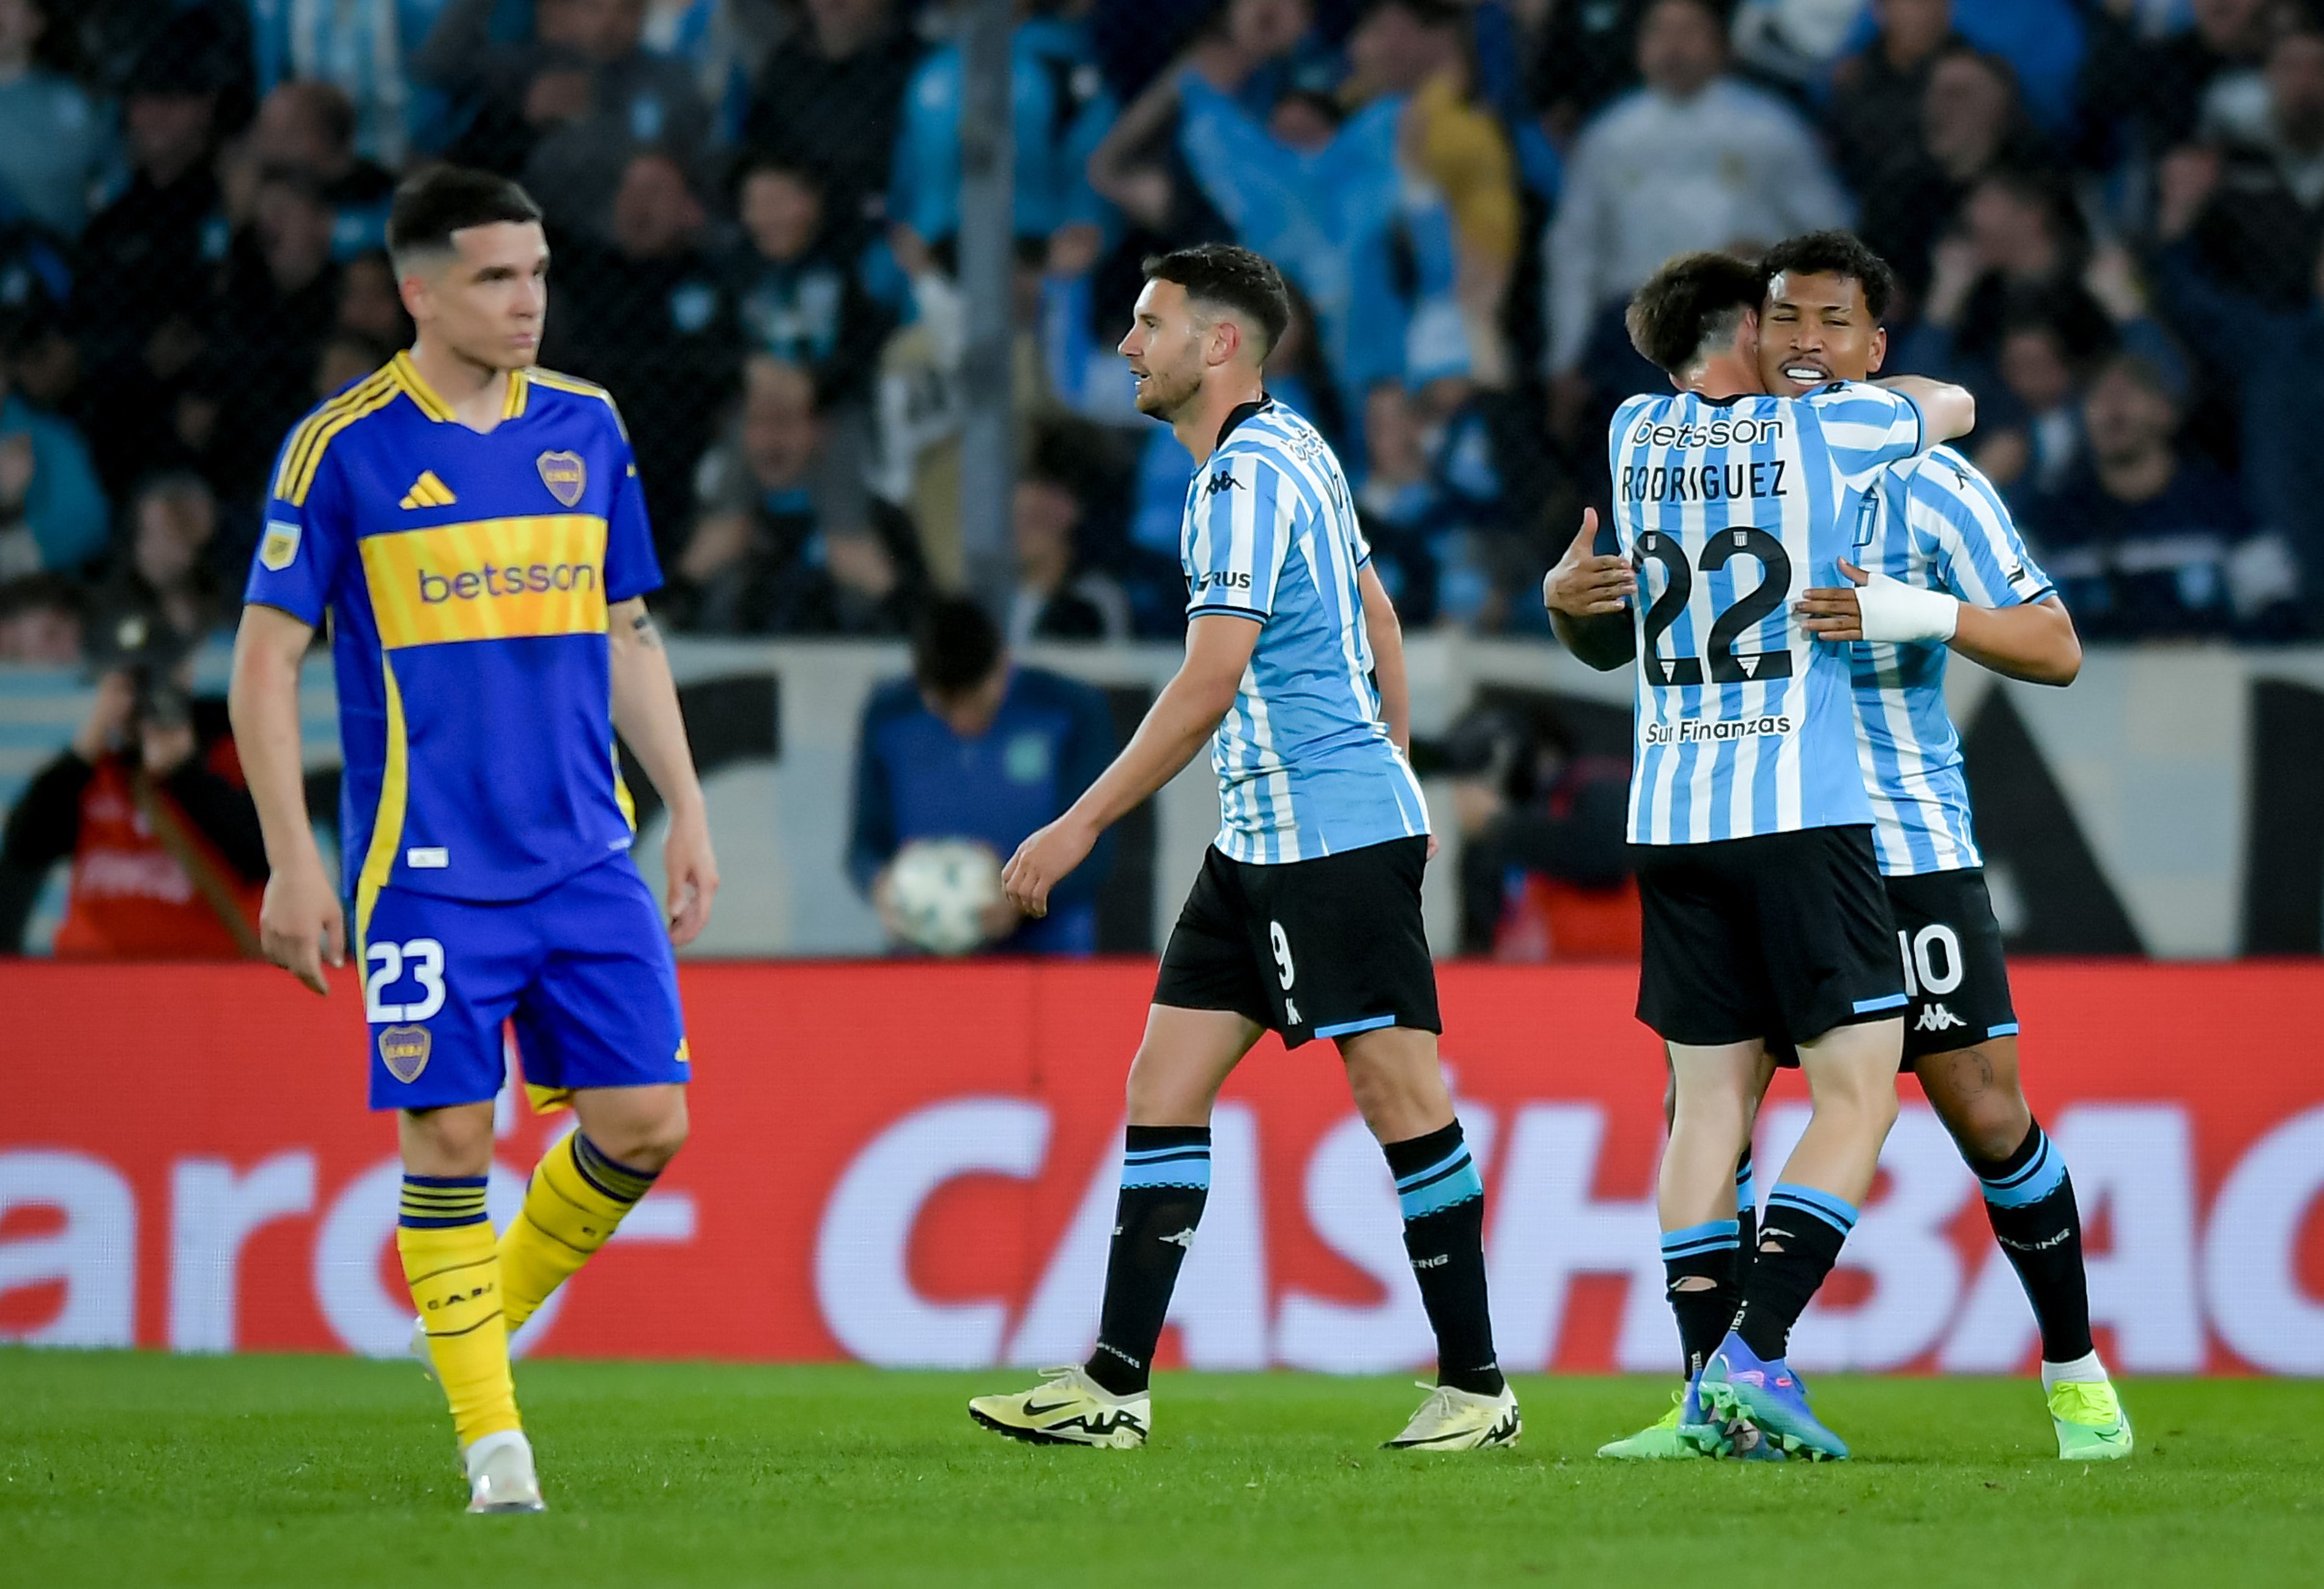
(307,535)
(1979,555)
(1865,429)
(1239,522)
(632,568)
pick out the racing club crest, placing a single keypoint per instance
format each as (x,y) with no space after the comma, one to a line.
(403,1049)
(566,477)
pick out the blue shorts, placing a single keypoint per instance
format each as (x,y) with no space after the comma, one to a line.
(584,972)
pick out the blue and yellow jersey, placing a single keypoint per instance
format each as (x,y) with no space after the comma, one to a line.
(468,578)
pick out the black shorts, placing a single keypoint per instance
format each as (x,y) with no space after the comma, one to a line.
(1320,949)
(1954,970)
(1782,936)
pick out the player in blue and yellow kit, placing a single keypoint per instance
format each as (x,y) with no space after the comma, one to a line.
(473,527)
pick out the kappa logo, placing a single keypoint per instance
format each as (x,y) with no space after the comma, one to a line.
(1222,480)
(404,1050)
(428,492)
(281,546)
(565,474)
(1936,1018)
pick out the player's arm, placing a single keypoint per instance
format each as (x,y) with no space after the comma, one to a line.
(1946,411)
(2035,641)
(1182,718)
(1386,632)
(646,715)
(300,923)
(1588,596)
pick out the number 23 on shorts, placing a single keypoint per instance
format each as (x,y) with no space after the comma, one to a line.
(422,959)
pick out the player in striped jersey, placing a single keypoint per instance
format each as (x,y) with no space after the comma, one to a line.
(1307,916)
(1763,912)
(1945,570)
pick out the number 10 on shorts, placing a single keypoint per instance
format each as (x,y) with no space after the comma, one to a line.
(1922,954)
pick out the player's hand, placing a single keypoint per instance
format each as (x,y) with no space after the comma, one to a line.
(1042,861)
(1583,583)
(299,923)
(693,875)
(1834,614)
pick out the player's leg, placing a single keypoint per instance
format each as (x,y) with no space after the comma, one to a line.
(598,1025)
(440,980)
(1183,1061)
(1209,1008)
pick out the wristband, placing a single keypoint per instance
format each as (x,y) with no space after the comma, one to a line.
(1905,615)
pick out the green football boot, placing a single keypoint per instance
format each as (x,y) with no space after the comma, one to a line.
(2092,1424)
(1668,1437)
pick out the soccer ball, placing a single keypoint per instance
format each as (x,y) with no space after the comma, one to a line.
(937,888)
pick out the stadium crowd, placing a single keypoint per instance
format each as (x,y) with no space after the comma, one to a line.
(2108,214)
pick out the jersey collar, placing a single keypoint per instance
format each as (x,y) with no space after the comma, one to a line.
(423,396)
(1242,411)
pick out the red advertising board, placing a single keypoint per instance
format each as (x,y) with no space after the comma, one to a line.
(914,1164)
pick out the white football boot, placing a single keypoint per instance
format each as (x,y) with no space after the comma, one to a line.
(1460,1421)
(501,1476)
(1067,1407)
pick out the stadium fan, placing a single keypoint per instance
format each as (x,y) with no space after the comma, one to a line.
(976,745)
(797,295)
(1058,596)
(309,127)
(149,805)
(55,144)
(829,101)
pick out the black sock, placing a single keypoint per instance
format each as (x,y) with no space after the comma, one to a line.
(1798,1245)
(2030,1200)
(1746,1219)
(1705,1312)
(1443,1203)
(1166,1178)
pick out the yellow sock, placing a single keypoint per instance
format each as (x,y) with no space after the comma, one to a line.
(576,1198)
(454,1269)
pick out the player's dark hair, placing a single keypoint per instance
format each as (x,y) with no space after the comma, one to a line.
(1222,275)
(443,200)
(955,646)
(1692,306)
(1834,252)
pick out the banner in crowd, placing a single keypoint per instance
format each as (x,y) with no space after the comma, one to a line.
(914,1164)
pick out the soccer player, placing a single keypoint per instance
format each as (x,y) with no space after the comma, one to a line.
(474,529)
(1307,916)
(1764,911)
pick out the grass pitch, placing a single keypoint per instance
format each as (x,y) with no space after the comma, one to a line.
(127,1471)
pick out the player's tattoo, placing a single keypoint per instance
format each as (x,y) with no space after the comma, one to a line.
(642,626)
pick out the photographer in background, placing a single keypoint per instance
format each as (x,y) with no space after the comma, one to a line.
(148,804)
(971,746)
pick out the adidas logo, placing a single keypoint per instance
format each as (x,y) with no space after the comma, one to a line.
(1936,1018)
(428,492)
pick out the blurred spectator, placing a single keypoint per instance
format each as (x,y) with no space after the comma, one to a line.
(2255,192)
(1059,111)
(2034,445)
(764,556)
(974,746)
(1544,850)
(369,304)
(797,293)
(1413,527)
(1694,159)
(309,128)
(367,52)
(1877,94)
(345,358)
(1586,56)
(830,101)
(52,512)
(165,592)
(55,143)
(142,299)
(166,862)
(1970,125)
(1056,596)
(2141,95)
(39,622)
(565,110)
(2146,543)
(645,313)
(278,300)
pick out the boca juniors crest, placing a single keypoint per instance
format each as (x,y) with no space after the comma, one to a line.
(404,1049)
(565,474)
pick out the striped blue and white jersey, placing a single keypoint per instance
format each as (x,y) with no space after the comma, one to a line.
(1941,525)
(1729,508)
(1306,765)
